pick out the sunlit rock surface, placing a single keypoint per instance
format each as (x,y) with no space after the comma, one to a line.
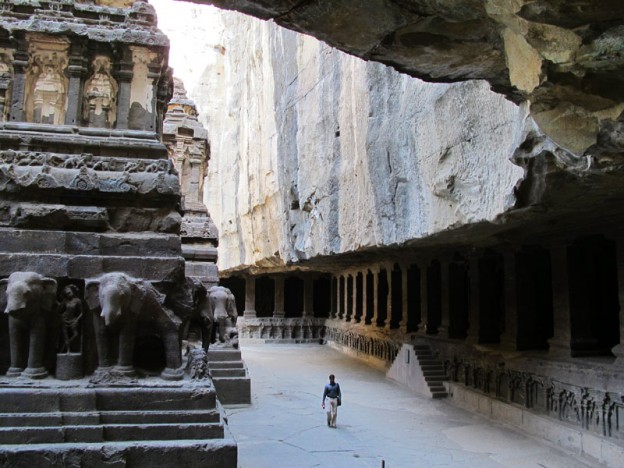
(316,152)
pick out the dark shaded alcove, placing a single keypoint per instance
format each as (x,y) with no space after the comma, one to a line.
(341,297)
(413,298)
(265,296)
(534,298)
(434,297)
(491,297)
(322,296)
(459,299)
(594,305)
(237,286)
(293,297)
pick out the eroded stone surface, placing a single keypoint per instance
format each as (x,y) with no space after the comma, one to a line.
(564,57)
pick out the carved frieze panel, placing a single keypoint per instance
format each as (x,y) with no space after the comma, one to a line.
(25,169)
(100,95)
(593,410)
(45,99)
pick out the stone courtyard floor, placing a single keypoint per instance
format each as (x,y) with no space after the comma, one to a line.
(378,421)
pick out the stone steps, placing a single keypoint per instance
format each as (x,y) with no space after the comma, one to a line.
(110,433)
(107,417)
(432,369)
(229,374)
(42,415)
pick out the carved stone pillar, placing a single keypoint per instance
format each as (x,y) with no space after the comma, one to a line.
(20,66)
(424,296)
(349,297)
(475,299)
(445,305)
(124,78)
(375,297)
(403,320)
(334,298)
(364,297)
(308,297)
(250,297)
(342,297)
(560,343)
(618,350)
(76,71)
(153,75)
(279,312)
(509,338)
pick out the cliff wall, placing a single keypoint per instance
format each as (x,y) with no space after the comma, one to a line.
(315,152)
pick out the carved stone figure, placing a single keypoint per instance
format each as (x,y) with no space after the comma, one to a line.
(223,307)
(31,297)
(49,94)
(118,303)
(71,311)
(100,95)
(198,363)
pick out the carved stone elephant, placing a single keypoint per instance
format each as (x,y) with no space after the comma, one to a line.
(118,303)
(189,301)
(223,307)
(30,299)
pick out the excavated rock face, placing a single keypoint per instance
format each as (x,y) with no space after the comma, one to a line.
(564,56)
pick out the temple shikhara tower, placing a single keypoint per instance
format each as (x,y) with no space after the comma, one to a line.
(94,288)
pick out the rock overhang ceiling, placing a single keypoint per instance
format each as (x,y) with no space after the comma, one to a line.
(565,57)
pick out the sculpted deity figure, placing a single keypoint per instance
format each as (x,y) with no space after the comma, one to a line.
(100,95)
(71,311)
(49,92)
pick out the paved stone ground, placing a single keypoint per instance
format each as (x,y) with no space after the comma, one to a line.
(379,420)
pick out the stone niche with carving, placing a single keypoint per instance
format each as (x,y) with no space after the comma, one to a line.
(45,97)
(99,106)
(95,302)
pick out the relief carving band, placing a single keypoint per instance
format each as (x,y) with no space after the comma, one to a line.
(46,83)
(100,95)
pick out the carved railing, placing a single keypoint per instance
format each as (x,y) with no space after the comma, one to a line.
(360,338)
(281,330)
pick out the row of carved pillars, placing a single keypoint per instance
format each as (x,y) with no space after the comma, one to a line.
(282,296)
(564,297)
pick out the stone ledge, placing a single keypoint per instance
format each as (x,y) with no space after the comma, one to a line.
(569,438)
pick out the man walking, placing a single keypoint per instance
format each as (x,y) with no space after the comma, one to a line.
(333,395)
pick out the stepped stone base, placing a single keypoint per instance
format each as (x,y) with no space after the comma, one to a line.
(230,376)
(417,368)
(135,423)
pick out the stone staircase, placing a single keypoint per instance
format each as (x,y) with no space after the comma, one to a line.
(432,370)
(172,424)
(230,376)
